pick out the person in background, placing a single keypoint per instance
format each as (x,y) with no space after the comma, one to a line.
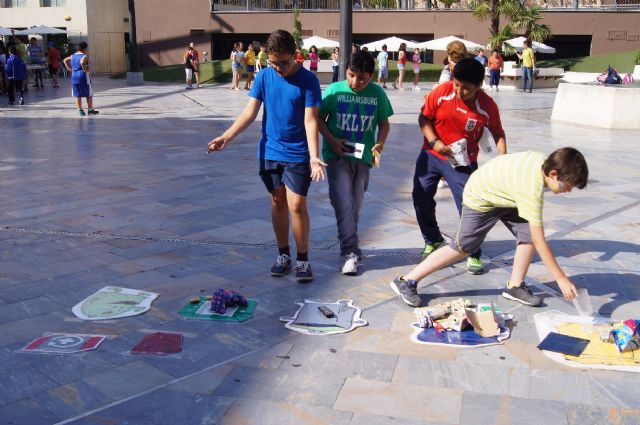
(416,61)
(3,74)
(335,58)
(16,73)
(383,66)
(35,56)
(261,63)
(402,61)
(196,64)
(189,62)
(250,61)
(81,86)
(237,61)
(21,50)
(314,59)
(496,66)
(456,51)
(299,56)
(528,58)
(53,59)
(480,57)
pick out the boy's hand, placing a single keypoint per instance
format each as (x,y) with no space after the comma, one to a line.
(338,146)
(317,169)
(568,289)
(378,147)
(441,148)
(217,144)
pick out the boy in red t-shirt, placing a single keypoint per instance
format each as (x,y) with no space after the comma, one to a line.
(453,111)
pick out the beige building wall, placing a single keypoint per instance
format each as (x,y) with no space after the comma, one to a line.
(98,22)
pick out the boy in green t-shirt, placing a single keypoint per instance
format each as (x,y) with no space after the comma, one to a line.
(509,189)
(351,112)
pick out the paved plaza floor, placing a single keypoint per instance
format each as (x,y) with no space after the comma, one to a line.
(130,198)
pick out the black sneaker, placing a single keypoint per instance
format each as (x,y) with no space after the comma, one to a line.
(522,294)
(281,266)
(408,291)
(93,112)
(303,271)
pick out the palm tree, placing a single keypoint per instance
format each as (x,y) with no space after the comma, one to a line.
(493,10)
(527,20)
(496,40)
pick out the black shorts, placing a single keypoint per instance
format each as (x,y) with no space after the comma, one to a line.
(52,70)
(294,175)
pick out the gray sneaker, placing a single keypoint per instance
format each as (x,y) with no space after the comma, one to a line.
(407,290)
(303,271)
(522,294)
(281,266)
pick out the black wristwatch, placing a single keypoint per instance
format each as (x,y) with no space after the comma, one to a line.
(433,142)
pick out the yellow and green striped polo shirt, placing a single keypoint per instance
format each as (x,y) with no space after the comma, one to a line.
(509,181)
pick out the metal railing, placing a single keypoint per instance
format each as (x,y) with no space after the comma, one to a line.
(218,6)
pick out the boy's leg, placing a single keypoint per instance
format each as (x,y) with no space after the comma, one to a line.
(11,90)
(297,179)
(425,185)
(516,288)
(457,178)
(299,220)
(280,216)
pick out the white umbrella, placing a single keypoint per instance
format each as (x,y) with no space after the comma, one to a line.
(393,44)
(518,44)
(4,31)
(41,29)
(319,42)
(441,43)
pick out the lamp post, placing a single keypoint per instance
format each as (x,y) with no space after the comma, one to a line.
(134,77)
(346,27)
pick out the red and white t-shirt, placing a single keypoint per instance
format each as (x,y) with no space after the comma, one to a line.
(454,120)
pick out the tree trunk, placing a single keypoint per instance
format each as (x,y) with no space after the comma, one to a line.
(495,16)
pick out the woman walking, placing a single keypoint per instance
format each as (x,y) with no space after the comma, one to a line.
(402,61)
(335,57)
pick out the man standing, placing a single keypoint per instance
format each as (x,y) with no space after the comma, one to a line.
(35,55)
(528,65)
(288,149)
(53,58)
(480,57)
(383,69)
(455,112)
(78,65)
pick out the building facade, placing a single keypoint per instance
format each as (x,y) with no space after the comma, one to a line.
(103,24)
(166,28)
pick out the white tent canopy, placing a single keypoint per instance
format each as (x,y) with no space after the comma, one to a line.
(517,43)
(393,44)
(4,31)
(441,43)
(319,42)
(41,29)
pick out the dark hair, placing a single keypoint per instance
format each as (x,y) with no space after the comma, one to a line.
(384,47)
(570,165)
(82,45)
(13,50)
(280,41)
(403,47)
(312,48)
(469,70)
(361,61)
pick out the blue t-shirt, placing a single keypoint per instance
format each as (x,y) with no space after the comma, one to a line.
(285,99)
(78,76)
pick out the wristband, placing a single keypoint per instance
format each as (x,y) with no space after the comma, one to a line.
(433,142)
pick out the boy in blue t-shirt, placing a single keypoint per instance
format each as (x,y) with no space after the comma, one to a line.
(288,149)
(354,120)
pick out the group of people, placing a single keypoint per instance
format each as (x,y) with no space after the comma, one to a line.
(353,118)
(14,73)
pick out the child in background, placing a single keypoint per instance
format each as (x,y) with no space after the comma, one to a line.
(314,59)
(416,61)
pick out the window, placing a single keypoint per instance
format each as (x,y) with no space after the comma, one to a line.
(13,3)
(53,3)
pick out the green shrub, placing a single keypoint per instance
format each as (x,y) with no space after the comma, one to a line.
(638,57)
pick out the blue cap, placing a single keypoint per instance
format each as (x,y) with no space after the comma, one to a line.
(51,44)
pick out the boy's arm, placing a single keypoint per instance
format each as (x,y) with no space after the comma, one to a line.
(311,128)
(426,127)
(336,143)
(501,145)
(67,63)
(240,124)
(383,132)
(544,250)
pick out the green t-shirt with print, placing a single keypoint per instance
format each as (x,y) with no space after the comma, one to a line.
(354,116)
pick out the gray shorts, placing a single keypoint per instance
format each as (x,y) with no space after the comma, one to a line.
(474,226)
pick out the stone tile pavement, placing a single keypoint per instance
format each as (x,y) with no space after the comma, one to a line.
(130,198)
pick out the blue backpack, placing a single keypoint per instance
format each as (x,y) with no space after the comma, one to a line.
(610,76)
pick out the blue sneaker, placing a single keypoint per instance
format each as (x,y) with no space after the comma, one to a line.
(407,290)
(281,266)
(303,271)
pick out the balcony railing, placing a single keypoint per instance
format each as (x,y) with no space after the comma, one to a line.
(409,5)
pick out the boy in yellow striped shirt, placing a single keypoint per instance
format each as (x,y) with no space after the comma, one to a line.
(509,188)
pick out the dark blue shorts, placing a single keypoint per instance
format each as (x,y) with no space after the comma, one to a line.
(251,68)
(294,175)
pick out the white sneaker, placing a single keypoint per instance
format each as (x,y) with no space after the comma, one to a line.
(497,89)
(350,266)
(490,89)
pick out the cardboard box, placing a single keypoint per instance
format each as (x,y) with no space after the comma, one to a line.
(485,323)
